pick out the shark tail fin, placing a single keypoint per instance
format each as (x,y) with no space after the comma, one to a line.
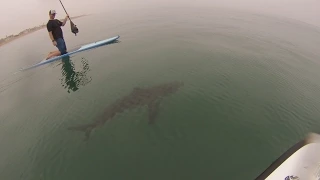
(85,128)
(79,128)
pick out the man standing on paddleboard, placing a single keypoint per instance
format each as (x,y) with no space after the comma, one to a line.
(56,34)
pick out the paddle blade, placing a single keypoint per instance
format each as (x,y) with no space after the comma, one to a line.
(74,28)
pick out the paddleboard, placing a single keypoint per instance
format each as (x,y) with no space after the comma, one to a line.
(82,48)
(299,162)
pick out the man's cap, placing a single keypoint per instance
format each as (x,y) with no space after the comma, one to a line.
(52,12)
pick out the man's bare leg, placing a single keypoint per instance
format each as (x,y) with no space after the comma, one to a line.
(53,54)
(49,54)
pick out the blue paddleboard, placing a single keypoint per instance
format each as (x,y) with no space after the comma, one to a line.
(82,48)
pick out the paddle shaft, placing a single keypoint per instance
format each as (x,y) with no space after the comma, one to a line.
(65,10)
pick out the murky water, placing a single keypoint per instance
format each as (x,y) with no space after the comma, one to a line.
(251,90)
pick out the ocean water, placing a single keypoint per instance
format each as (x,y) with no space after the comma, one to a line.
(251,90)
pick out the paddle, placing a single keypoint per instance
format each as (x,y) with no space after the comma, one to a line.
(74,28)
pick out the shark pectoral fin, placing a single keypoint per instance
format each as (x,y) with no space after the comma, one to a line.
(88,132)
(137,89)
(153,109)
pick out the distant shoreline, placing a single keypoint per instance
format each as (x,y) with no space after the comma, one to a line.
(11,38)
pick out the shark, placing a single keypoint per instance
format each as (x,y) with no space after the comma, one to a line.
(149,97)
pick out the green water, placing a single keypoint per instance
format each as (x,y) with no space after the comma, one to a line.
(251,90)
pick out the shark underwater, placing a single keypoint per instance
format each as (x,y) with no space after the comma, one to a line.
(149,97)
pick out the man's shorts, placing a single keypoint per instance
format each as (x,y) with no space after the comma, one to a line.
(61,45)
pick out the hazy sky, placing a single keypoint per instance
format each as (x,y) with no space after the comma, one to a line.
(16,15)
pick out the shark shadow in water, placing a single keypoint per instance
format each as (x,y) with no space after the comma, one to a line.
(149,97)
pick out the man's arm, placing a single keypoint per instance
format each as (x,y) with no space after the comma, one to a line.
(65,20)
(49,28)
(51,36)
